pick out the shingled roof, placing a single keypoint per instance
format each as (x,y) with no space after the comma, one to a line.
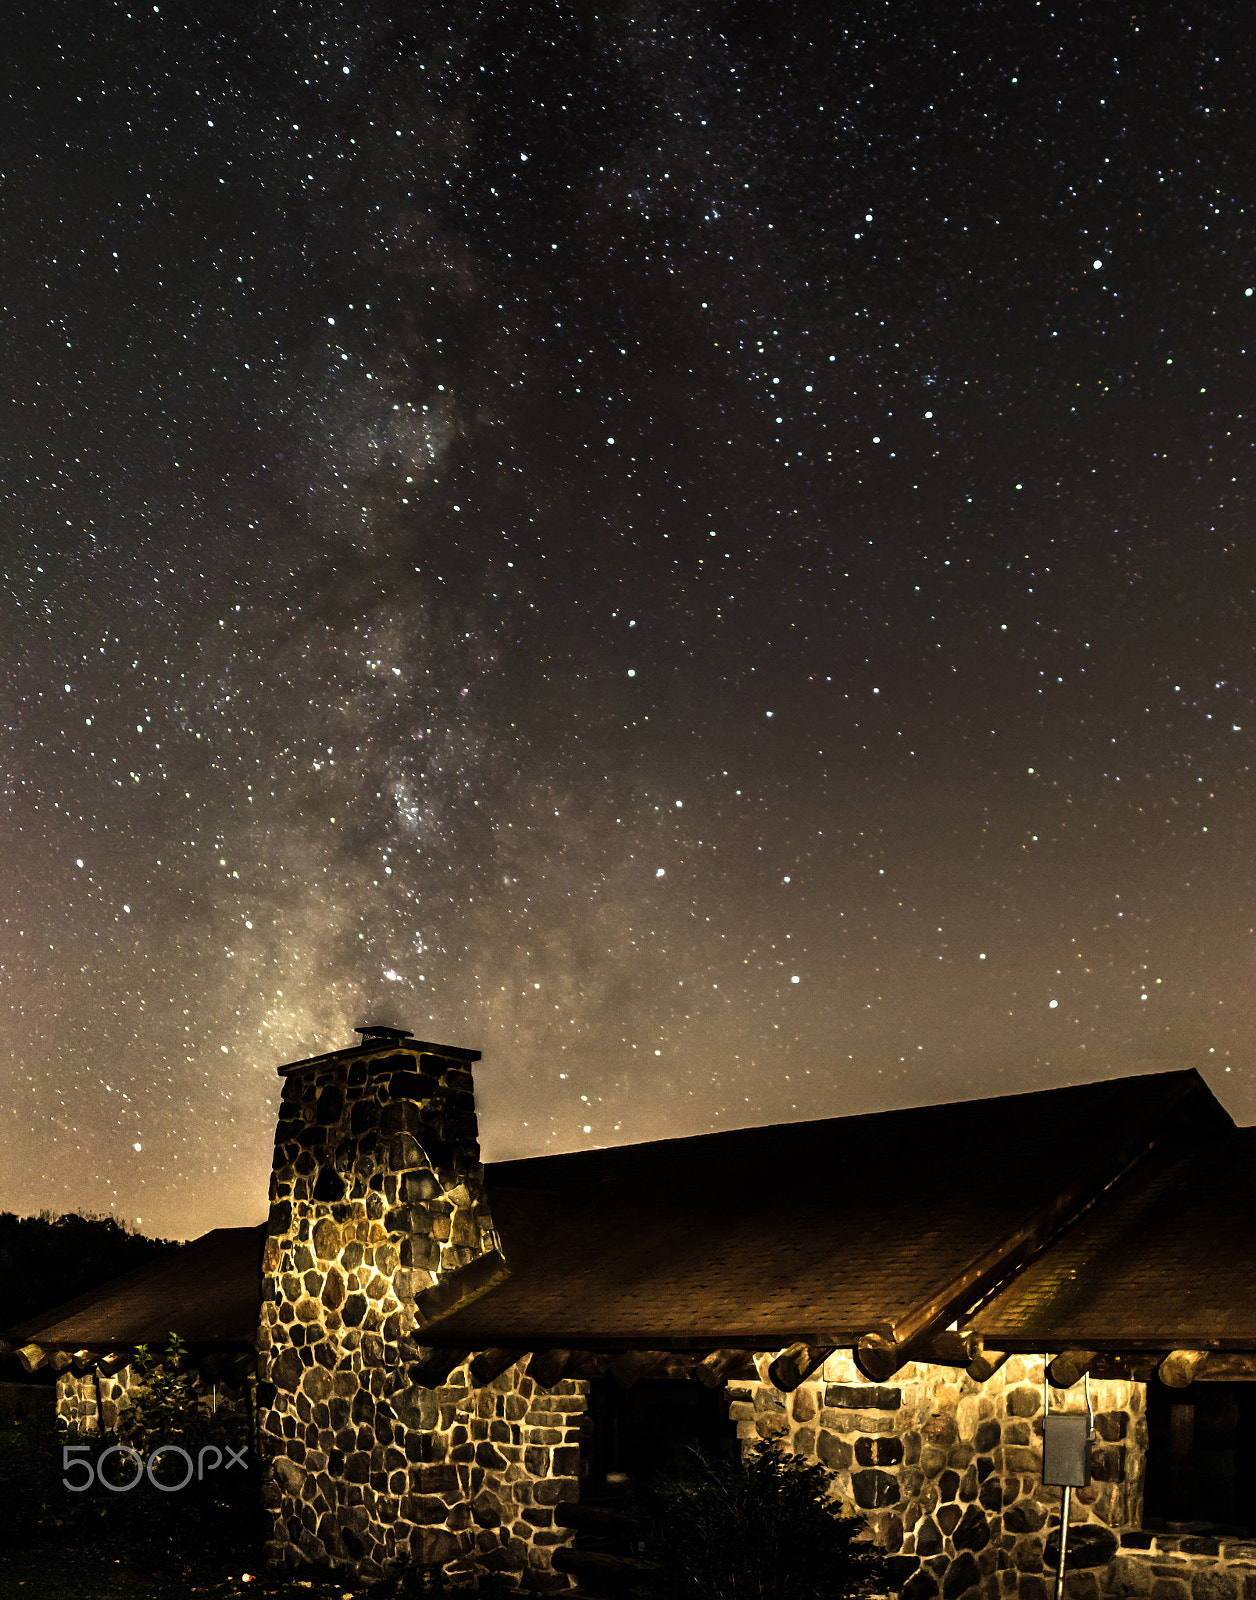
(208,1293)
(1164,1261)
(816,1231)
(890,1224)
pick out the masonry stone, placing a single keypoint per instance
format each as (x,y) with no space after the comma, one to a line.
(962,1575)
(921,1586)
(878,1452)
(973,1532)
(833,1450)
(928,1537)
(1090,1545)
(1215,1583)
(950,1479)
(377,1194)
(874,1488)
(862,1397)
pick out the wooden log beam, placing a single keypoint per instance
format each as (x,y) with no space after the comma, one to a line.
(1135,1367)
(588,1364)
(1227,1366)
(946,1348)
(985,1363)
(679,1363)
(795,1365)
(633,1365)
(434,1365)
(546,1367)
(32,1358)
(1180,1367)
(459,1288)
(879,1358)
(719,1366)
(490,1364)
(1070,1367)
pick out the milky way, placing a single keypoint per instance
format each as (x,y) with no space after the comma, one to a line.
(711,565)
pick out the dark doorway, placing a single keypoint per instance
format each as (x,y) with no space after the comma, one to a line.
(1200,1470)
(644,1432)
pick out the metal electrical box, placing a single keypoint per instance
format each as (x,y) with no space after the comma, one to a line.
(1066,1449)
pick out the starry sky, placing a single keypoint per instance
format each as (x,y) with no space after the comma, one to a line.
(702,551)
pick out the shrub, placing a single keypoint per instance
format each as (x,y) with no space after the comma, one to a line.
(764,1528)
(155,1527)
(167,1407)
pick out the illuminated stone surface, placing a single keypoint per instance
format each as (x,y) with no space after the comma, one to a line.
(381,1457)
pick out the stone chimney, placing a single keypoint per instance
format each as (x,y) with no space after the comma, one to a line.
(379,1222)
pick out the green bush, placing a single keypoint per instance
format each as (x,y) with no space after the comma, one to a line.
(761,1529)
(157,1527)
(162,1524)
(167,1405)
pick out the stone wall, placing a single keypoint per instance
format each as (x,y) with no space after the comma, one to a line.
(458,1476)
(948,1470)
(382,1454)
(1171,1567)
(76,1399)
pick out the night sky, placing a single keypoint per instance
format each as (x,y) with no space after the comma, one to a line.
(702,551)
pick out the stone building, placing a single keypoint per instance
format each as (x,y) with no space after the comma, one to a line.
(453,1360)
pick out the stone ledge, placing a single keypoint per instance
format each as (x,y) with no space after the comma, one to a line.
(1186,1546)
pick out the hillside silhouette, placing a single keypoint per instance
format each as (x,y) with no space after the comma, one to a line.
(47,1259)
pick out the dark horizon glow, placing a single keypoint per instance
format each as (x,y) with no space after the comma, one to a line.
(711,565)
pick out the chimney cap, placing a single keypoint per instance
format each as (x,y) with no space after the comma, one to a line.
(375,1037)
